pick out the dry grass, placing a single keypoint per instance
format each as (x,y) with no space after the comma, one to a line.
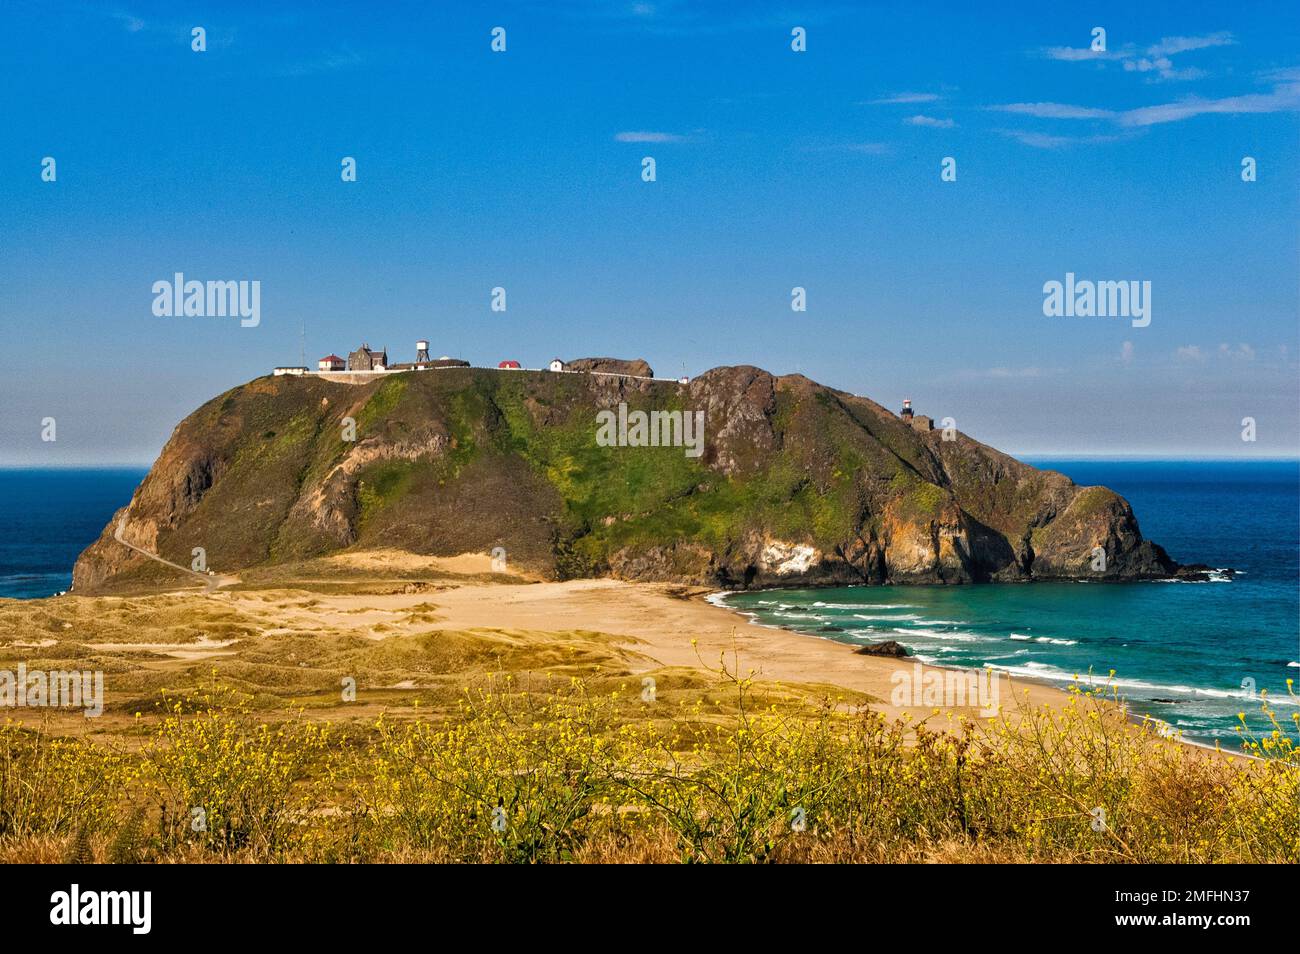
(561,773)
(231,706)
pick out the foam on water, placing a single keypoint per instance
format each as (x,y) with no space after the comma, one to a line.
(863,606)
(937,634)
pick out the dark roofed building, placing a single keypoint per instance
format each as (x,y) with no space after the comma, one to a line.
(363,359)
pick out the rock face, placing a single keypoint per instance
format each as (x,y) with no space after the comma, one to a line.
(793,484)
(888,648)
(637,367)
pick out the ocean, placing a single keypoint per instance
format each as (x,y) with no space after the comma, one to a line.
(1185,653)
(1181,651)
(47,517)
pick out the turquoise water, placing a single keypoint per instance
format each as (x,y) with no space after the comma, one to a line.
(1181,651)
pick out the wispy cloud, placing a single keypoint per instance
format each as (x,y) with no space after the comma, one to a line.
(1155,61)
(1284,97)
(1056,111)
(1170,45)
(1163,67)
(647,136)
(1071,54)
(1195,354)
(158,32)
(930,121)
(1243,352)
(130,22)
(906,98)
(1040,140)
(861,148)
(1287,74)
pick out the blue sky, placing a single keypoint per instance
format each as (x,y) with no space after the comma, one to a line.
(775,169)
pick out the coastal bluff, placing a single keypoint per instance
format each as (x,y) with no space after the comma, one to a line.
(797,484)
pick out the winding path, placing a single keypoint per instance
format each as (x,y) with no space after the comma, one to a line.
(211,582)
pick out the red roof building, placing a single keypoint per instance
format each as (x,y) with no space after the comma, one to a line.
(509,365)
(331,362)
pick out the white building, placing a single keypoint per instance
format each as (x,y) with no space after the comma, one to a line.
(556,365)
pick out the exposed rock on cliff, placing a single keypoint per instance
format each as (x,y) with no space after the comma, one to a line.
(613,366)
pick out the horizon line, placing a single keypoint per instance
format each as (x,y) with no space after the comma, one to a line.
(1100,456)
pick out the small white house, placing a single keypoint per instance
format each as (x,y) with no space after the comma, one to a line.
(331,362)
(556,365)
(683,380)
(281,371)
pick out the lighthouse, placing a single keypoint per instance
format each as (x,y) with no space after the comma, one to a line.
(907,409)
(421,351)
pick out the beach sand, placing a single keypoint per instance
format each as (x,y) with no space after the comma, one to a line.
(434,625)
(661,626)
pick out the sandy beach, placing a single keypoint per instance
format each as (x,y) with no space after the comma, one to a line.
(657,627)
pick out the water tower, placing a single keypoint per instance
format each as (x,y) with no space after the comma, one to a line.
(422,350)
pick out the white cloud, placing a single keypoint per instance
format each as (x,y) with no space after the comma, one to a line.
(1170,45)
(1191,353)
(1287,74)
(930,121)
(906,98)
(129,21)
(1155,61)
(1070,54)
(643,136)
(1126,352)
(1048,141)
(1163,67)
(1243,352)
(1039,140)
(1284,98)
(1056,111)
